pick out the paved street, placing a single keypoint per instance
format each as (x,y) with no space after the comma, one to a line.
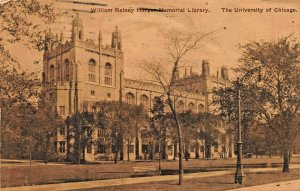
(126,181)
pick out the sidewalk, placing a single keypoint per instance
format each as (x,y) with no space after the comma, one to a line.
(125,181)
(112,182)
(292,185)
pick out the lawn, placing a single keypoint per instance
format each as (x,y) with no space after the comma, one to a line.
(209,183)
(15,175)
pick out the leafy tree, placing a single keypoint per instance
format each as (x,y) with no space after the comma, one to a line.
(122,121)
(21,22)
(209,131)
(158,125)
(47,123)
(24,22)
(276,97)
(225,101)
(191,129)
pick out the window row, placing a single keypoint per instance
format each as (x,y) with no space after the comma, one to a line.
(102,148)
(66,69)
(180,106)
(60,147)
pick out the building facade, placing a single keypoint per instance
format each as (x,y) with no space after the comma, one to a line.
(97,72)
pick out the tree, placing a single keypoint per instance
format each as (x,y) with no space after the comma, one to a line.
(158,127)
(24,22)
(208,130)
(21,22)
(165,71)
(277,95)
(191,124)
(225,102)
(121,121)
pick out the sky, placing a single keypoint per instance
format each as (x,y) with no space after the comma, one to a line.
(143,34)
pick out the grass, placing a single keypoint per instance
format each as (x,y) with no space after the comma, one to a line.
(15,175)
(209,183)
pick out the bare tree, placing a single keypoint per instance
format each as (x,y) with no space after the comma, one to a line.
(165,72)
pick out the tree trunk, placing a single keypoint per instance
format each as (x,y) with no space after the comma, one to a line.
(175,151)
(159,157)
(68,139)
(116,154)
(46,148)
(180,142)
(180,154)
(83,153)
(128,150)
(286,162)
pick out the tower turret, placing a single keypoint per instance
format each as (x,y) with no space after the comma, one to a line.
(77,29)
(224,73)
(61,37)
(205,68)
(116,41)
(100,39)
(48,43)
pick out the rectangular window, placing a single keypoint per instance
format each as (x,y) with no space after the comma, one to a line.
(113,148)
(170,148)
(202,148)
(55,147)
(157,148)
(101,133)
(145,148)
(89,147)
(131,149)
(192,149)
(62,130)
(67,77)
(216,146)
(108,95)
(101,148)
(92,92)
(223,149)
(92,78)
(107,81)
(62,110)
(62,147)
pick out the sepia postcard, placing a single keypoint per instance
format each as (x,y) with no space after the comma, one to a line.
(150,95)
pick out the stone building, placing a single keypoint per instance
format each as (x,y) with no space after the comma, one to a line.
(98,71)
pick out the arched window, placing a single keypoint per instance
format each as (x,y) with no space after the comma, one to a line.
(130,98)
(144,101)
(180,106)
(92,70)
(200,108)
(191,107)
(43,77)
(108,74)
(79,35)
(52,71)
(67,70)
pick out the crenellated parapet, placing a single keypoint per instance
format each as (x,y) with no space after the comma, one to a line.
(153,87)
(58,50)
(137,84)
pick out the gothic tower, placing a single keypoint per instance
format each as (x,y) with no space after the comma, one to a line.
(116,41)
(77,29)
